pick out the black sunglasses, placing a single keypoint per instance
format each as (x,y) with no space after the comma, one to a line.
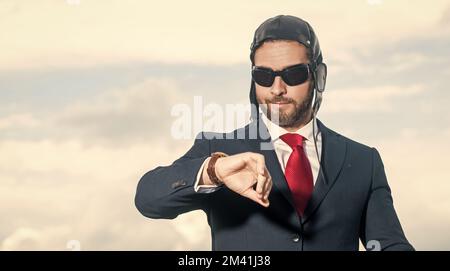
(293,75)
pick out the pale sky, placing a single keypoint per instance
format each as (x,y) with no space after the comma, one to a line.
(87,87)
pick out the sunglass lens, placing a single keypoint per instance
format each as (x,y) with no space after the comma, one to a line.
(262,77)
(296,75)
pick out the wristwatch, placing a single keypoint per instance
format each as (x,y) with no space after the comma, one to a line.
(211,170)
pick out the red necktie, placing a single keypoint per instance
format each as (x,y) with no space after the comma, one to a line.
(298,172)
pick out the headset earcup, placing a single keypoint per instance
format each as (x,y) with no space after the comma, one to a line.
(321,77)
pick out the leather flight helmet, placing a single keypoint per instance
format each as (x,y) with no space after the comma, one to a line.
(287,27)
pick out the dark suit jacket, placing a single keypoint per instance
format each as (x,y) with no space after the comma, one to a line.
(352,201)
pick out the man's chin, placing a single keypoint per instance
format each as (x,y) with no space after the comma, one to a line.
(281,107)
(282,110)
(281,120)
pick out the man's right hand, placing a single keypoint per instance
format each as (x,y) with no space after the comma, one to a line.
(244,173)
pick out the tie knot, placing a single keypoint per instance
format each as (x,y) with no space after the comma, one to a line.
(293,140)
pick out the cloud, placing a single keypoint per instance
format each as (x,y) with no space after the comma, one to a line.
(16,121)
(416,169)
(445,18)
(363,99)
(57,192)
(137,113)
(88,34)
(123,111)
(33,239)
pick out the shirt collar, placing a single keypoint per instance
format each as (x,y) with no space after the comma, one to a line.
(276,131)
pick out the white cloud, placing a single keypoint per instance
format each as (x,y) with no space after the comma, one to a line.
(124,116)
(24,238)
(101,32)
(416,167)
(14,121)
(61,191)
(366,99)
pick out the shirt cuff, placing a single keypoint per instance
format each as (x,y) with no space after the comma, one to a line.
(204,188)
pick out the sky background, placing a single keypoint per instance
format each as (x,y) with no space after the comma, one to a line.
(87,88)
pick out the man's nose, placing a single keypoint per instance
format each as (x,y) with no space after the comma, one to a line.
(278,86)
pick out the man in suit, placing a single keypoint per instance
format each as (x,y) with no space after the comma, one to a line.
(296,185)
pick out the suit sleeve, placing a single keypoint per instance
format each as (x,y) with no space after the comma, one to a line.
(380,221)
(167,191)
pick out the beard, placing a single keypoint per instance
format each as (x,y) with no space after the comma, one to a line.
(300,115)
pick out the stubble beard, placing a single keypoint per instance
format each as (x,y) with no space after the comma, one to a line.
(300,115)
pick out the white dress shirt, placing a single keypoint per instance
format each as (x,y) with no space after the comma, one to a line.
(282,149)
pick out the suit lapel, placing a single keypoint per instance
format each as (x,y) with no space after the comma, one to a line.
(264,146)
(278,178)
(332,157)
